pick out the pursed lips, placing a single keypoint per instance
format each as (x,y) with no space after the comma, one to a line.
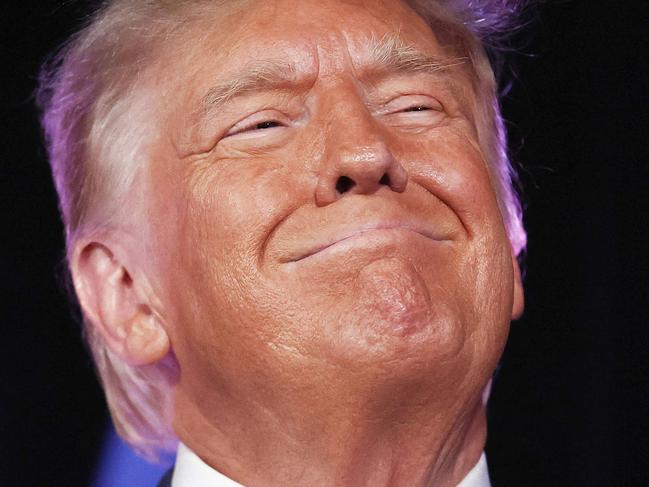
(367,228)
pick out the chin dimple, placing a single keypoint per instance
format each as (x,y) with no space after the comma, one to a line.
(396,294)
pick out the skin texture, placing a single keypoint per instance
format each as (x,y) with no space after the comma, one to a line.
(327,332)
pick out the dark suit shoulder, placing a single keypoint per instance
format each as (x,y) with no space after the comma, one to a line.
(165,481)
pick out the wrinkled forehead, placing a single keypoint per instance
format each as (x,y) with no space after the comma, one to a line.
(276,19)
(297,40)
(310,34)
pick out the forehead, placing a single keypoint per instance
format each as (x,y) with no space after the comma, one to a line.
(305,32)
(300,43)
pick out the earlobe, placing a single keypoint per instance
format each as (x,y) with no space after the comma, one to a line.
(115,304)
(518,304)
(146,342)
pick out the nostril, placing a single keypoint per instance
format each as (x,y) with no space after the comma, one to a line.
(344,184)
(385,180)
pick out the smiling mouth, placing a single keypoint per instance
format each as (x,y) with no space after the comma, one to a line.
(379,233)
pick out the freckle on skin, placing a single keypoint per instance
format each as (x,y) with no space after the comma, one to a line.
(396,293)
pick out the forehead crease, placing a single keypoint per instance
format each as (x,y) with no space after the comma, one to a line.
(374,56)
(392,53)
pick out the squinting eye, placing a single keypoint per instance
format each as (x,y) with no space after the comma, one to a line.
(412,105)
(413,112)
(418,108)
(252,128)
(266,125)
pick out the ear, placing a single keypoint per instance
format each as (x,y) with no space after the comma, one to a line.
(117,306)
(519,295)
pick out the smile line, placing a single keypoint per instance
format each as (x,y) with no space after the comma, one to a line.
(363,231)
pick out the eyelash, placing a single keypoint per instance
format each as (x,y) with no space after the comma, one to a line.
(257,126)
(254,126)
(417,108)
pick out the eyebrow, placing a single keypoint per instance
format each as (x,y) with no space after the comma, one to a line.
(255,76)
(391,54)
(388,55)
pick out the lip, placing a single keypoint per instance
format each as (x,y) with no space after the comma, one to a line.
(367,229)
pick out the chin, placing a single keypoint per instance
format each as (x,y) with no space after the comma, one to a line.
(422,339)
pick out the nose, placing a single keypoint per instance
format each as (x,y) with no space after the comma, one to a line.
(357,161)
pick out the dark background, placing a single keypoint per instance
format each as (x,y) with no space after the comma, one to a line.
(570,403)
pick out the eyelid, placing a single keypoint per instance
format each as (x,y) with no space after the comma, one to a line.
(403,102)
(247,124)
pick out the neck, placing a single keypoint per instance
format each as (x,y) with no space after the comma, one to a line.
(414,444)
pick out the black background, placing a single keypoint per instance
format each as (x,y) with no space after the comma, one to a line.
(570,403)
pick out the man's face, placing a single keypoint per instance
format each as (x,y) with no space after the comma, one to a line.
(322,211)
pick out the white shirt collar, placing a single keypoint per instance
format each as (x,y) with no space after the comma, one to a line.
(191,471)
(478,476)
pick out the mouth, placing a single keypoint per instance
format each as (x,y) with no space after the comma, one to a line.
(372,233)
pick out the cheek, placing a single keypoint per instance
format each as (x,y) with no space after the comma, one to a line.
(228,209)
(449,165)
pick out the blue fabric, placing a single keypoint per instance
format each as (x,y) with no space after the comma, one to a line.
(119,465)
(166,480)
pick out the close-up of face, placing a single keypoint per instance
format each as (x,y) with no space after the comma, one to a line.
(322,214)
(325,243)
